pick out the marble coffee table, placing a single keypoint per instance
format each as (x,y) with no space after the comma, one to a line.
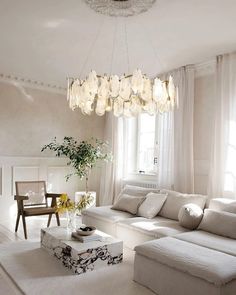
(81,257)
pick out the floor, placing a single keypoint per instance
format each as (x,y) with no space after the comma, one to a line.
(34,225)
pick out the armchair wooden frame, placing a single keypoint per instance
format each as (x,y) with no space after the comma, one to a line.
(26,210)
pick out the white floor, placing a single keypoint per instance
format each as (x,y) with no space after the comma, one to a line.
(115,280)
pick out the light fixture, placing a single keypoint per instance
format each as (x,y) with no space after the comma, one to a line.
(120,7)
(128,95)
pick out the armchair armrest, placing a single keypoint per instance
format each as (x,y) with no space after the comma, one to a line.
(52,195)
(21,198)
(53,198)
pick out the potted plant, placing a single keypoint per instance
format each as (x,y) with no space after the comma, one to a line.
(83,157)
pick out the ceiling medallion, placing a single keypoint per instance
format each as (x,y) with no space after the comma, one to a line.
(120,7)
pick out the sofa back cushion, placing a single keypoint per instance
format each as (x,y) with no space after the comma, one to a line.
(128,203)
(133,190)
(223,204)
(219,223)
(151,205)
(176,200)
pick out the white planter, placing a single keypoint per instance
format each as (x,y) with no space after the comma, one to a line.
(78,196)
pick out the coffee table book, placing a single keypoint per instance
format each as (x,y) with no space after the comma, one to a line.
(85,239)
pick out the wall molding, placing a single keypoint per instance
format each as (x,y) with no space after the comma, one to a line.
(30,83)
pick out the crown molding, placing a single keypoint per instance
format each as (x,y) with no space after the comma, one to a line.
(205,68)
(33,84)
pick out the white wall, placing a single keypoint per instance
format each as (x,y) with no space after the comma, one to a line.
(30,118)
(203,124)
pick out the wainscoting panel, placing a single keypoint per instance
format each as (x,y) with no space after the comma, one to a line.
(21,173)
(52,170)
(57,181)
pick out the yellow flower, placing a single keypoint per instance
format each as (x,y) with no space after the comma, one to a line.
(64,197)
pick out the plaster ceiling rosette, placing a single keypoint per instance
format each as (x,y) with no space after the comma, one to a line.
(123,8)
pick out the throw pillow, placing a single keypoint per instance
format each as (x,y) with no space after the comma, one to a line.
(219,222)
(176,200)
(128,203)
(133,190)
(151,205)
(190,216)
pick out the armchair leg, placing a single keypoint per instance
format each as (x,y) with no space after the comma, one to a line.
(24,226)
(58,219)
(17,222)
(49,220)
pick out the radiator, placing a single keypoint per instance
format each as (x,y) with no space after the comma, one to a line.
(142,183)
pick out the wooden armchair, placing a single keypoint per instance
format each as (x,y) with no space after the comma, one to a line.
(32,200)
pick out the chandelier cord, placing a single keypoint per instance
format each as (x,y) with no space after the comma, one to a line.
(92,47)
(127,48)
(113,46)
(158,60)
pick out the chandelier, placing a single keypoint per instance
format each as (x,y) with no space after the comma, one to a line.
(128,95)
(120,7)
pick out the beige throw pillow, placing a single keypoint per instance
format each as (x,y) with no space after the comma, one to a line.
(128,203)
(137,191)
(190,216)
(151,205)
(219,222)
(176,200)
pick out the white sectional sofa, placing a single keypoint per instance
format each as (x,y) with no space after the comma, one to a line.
(134,230)
(171,259)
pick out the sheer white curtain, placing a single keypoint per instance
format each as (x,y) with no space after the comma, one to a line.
(175,133)
(113,172)
(222,176)
(176,163)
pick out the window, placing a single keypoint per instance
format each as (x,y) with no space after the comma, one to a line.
(142,144)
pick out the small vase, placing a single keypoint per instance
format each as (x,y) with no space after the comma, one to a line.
(70,220)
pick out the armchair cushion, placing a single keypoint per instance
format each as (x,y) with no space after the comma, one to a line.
(39,211)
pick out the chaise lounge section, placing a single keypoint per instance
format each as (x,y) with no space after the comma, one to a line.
(197,262)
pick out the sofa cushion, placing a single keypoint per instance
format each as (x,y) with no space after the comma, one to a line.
(106,213)
(128,203)
(190,216)
(136,191)
(157,227)
(176,200)
(223,204)
(210,265)
(210,241)
(219,223)
(151,205)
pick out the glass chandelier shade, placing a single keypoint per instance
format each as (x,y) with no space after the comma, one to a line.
(126,95)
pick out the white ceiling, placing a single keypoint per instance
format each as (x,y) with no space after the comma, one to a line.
(48,40)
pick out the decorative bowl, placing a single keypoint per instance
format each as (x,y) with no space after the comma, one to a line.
(85,230)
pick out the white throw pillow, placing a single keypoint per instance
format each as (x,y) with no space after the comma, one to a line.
(219,222)
(151,205)
(190,216)
(176,200)
(128,203)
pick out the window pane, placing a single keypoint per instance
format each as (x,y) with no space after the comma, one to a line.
(147,123)
(146,143)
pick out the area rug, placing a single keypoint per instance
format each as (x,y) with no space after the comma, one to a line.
(35,272)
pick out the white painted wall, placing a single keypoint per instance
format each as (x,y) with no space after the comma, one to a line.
(30,118)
